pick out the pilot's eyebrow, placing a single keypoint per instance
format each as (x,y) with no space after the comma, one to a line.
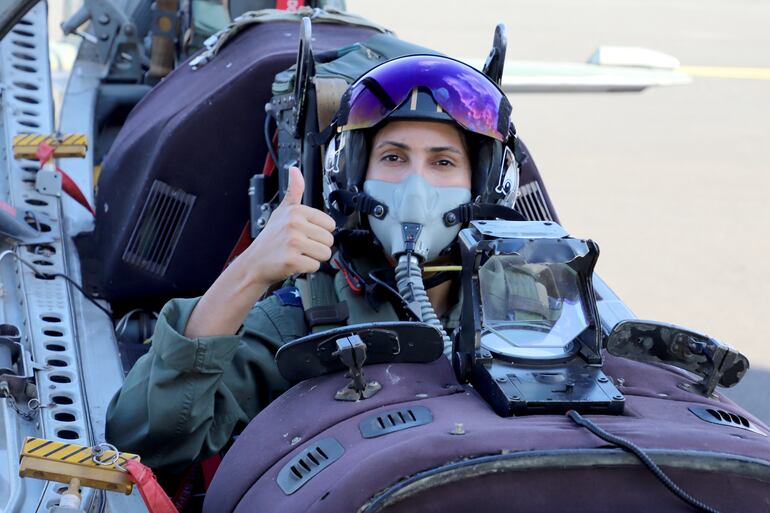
(393,143)
(435,149)
(439,149)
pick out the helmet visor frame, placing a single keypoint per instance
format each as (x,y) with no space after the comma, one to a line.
(468,96)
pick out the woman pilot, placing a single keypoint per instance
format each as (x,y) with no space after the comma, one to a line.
(418,143)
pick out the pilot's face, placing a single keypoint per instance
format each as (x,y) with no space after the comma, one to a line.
(433,150)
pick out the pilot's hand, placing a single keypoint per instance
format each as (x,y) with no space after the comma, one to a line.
(296,239)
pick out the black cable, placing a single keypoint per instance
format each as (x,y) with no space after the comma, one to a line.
(645,459)
(85,294)
(269,140)
(438,278)
(46,275)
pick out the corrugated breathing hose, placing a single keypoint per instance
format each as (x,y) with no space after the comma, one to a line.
(412,289)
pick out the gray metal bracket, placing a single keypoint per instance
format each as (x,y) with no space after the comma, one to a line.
(352,352)
(114,37)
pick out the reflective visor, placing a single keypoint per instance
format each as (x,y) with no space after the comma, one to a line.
(466,94)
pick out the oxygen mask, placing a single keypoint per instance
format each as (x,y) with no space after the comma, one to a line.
(413,231)
(414,222)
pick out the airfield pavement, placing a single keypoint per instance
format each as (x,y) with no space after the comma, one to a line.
(673,183)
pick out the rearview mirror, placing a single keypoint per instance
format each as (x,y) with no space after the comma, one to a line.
(648,341)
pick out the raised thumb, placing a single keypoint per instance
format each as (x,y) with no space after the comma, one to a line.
(296,187)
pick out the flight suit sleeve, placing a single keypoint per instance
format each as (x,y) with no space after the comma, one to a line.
(182,401)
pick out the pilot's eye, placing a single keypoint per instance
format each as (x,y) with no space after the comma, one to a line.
(391,157)
(445,163)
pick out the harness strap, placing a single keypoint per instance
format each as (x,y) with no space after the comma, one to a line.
(346,202)
(328,94)
(323,310)
(153,495)
(468,212)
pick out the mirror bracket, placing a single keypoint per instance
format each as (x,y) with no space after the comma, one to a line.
(352,353)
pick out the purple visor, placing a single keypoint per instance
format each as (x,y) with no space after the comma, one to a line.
(467,95)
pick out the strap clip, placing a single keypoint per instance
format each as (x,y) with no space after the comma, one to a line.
(327,314)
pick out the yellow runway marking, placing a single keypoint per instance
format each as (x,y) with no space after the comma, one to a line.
(727,72)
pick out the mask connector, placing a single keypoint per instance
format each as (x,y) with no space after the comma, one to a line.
(411,232)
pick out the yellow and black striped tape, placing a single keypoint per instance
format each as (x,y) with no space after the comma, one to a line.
(25,145)
(62,462)
(70,453)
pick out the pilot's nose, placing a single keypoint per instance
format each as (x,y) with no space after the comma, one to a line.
(416,197)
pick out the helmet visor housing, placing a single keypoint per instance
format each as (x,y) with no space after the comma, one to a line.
(467,95)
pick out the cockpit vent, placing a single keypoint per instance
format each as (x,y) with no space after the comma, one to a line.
(394,420)
(308,463)
(160,225)
(724,418)
(532,204)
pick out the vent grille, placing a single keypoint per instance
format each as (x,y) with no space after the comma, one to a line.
(724,418)
(160,225)
(532,204)
(394,420)
(308,463)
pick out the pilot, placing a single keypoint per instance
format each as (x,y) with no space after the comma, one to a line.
(420,145)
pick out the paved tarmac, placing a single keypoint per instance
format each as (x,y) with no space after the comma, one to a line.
(673,183)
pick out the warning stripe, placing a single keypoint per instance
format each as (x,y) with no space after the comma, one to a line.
(22,139)
(77,451)
(45,443)
(47,455)
(74,140)
(70,453)
(36,139)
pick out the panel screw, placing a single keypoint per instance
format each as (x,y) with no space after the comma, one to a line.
(451,218)
(602,380)
(618,397)
(501,379)
(261,222)
(458,429)
(515,397)
(103,19)
(378,211)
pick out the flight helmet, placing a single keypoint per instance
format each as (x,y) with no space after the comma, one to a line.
(421,87)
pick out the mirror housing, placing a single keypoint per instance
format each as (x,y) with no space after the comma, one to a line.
(656,342)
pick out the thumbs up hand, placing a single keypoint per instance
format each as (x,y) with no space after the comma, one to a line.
(296,239)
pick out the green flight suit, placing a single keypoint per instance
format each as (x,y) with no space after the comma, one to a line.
(184,399)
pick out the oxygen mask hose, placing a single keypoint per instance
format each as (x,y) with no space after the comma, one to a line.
(412,289)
